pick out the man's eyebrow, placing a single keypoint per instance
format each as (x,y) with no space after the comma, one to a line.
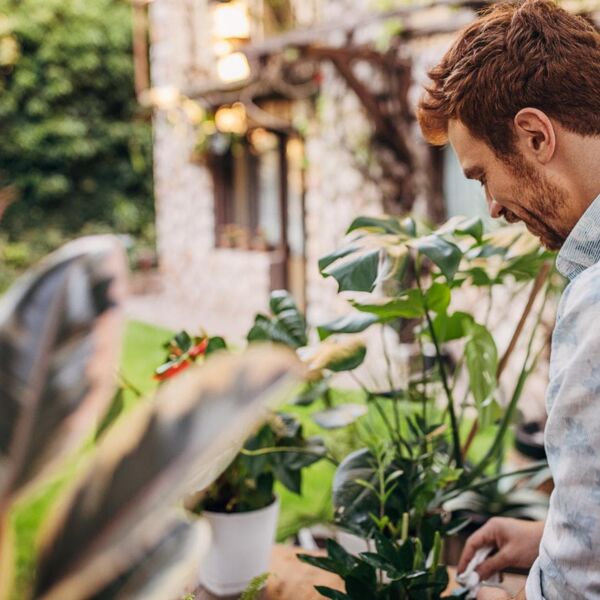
(473,172)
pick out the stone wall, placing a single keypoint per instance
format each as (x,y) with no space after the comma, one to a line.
(222,289)
(203,286)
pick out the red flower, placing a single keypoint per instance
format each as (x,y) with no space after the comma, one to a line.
(171,371)
(198,349)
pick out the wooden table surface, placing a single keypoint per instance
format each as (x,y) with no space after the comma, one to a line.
(291,579)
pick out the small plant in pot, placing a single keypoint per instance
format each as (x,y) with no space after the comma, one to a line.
(241,505)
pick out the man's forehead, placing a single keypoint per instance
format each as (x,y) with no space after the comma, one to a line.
(470,151)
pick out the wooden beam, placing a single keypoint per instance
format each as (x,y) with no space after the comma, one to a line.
(140,46)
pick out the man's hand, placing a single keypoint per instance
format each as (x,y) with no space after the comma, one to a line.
(517,542)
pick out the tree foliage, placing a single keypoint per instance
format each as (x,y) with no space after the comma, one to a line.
(74,142)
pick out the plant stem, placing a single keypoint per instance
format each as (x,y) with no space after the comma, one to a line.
(390,379)
(440,360)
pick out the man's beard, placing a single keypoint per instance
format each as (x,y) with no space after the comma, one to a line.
(541,204)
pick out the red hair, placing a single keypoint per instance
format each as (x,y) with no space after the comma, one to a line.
(516,55)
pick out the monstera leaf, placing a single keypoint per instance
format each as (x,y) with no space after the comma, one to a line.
(59,341)
(116,515)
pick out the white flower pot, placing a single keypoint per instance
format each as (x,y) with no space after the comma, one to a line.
(240,549)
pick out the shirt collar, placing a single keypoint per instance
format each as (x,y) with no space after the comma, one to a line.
(582,248)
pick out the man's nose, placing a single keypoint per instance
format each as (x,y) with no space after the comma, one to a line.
(495,209)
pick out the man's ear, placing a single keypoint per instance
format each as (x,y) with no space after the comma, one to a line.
(535,133)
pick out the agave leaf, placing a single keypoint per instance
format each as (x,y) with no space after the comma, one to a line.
(166,567)
(59,341)
(150,459)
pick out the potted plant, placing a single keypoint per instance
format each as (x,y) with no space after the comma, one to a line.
(241,505)
(397,490)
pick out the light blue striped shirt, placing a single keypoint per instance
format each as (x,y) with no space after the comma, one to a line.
(568,566)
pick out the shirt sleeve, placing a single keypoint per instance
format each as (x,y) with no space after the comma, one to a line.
(569,561)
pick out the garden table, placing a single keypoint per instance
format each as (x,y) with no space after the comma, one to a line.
(293,580)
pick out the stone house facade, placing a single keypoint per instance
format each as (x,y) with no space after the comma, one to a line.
(210,281)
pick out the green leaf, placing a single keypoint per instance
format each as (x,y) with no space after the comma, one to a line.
(54,379)
(285,309)
(312,391)
(290,478)
(378,224)
(472,226)
(451,327)
(336,255)
(328,592)
(336,356)
(482,362)
(442,253)
(255,587)
(215,344)
(182,340)
(438,297)
(408,306)
(323,562)
(352,323)
(286,326)
(357,274)
(361,582)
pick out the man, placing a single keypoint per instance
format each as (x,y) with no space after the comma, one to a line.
(518,98)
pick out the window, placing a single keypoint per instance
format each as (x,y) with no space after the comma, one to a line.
(259,203)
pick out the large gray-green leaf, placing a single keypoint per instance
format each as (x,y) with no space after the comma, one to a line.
(444,254)
(59,341)
(351,323)
(354,503)
(357,273)
(152,458)
(407,306)
(482,362)
(166,567)
(381,224)
(336,356)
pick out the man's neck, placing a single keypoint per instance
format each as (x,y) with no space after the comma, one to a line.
(581,157)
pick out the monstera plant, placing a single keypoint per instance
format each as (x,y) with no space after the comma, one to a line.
(119,531)
(396,491)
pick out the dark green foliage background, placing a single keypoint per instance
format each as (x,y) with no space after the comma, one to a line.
(74,142)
